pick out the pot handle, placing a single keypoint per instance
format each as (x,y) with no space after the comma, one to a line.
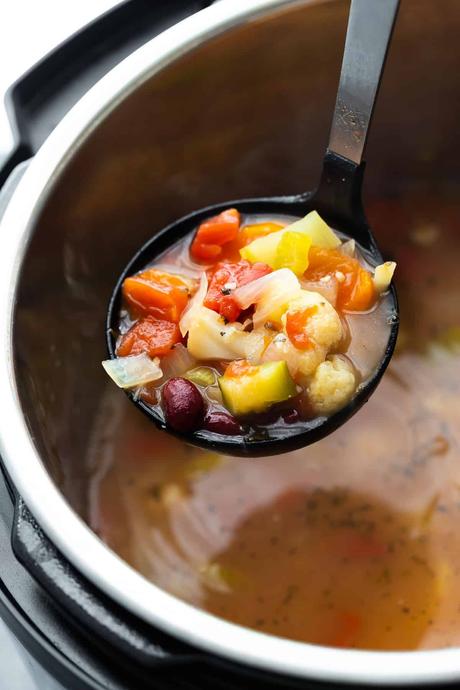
(104,621)
(12,181)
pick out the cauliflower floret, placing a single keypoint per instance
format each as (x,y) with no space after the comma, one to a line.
(332,385)
(300,362)
(324,326)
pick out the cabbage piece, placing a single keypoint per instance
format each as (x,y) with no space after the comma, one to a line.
(383,275)
(134,370)
(194,305)
(253,292)
(209,337)
(317,229)
(271,293)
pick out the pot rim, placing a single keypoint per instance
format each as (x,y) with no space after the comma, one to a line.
(58,520)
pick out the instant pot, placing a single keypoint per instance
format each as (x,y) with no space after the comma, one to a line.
(233,100)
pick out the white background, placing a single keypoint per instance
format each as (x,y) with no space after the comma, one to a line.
(31,28)
(28,30)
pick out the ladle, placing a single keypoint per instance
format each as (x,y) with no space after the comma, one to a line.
(337,199)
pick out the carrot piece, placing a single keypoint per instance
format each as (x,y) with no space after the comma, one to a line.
(356,290)
(206,252)
(153,336)
(248,233)
(363,294)
(156,293)
(220,229)
(296,323)
(214,233)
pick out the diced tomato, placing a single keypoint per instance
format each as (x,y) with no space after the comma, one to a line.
(226,277)
(296,323)
(155,293)
(356,290)
(213,234)
(153,336)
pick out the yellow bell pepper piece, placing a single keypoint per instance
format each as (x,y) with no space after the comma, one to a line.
(292,252)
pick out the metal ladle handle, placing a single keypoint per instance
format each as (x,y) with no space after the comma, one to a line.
(370,26)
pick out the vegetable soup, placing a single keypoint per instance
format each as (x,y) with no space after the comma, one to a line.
(252,323)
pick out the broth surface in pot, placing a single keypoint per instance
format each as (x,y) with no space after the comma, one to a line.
(352,542)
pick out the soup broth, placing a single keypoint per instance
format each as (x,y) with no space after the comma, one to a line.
(352,542)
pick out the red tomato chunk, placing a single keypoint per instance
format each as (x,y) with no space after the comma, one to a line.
(225,279)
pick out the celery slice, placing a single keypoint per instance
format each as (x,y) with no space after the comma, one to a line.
(202,376)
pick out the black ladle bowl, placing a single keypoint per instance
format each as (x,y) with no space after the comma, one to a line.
(337,199)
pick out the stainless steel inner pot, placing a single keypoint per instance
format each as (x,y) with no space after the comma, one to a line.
(235,101)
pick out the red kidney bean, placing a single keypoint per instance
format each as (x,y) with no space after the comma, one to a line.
(183,405)
(222,423)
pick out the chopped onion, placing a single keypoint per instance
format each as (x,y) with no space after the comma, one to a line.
(134,370)
(253,292)
(327,288)
(177,362)
(383,275)
(348,248)
(194,305)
